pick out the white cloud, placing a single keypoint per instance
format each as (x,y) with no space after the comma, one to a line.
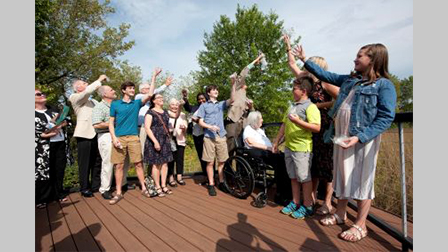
(169,33)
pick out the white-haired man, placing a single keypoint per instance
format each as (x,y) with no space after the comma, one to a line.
(89,160)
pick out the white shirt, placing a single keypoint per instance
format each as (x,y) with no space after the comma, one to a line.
(145,108)
(257,135)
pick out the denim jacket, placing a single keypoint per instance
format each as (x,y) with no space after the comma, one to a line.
(373,108)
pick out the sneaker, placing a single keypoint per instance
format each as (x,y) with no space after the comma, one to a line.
(107,195)
(290,208)
(211,190)
(302,212)
(115,199)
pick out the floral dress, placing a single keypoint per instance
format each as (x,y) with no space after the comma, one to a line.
(322,164)
(43,187)
(165,154)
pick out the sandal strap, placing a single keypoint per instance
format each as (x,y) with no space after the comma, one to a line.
(361,231)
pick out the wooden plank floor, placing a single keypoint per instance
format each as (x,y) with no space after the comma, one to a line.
(190,220)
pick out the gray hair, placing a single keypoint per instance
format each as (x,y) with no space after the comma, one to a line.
(102,91)
(253,119)
(75,85)
(173,100)
(142,85)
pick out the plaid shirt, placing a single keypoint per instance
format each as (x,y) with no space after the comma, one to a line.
(101,113)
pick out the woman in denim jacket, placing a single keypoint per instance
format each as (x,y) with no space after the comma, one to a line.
(365,107)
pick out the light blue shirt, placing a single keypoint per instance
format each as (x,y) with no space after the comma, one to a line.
(213,114)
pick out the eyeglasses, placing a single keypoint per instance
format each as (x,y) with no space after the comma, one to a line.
(40,94)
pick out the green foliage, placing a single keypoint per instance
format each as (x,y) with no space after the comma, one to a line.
(73,40)
(405,102)
(232,45)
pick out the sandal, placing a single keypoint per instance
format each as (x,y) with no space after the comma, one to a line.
(357,235)
(172,183)
(181,182)
(166,190)
(333,219)
(63,200)
(160,192)
(146,193)
(323,210)
(115,199)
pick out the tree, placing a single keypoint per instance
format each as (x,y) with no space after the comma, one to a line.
(234,44)
(406,98)
(73,40)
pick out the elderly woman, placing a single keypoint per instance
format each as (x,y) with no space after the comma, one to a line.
(179,126)
(260,146)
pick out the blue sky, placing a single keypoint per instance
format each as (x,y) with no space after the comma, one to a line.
(169,33)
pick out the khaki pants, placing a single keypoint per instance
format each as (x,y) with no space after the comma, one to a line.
(107,168)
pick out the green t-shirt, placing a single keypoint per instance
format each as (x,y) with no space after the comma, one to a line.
(297,138)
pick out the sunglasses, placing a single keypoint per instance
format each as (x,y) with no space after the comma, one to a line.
(39,94)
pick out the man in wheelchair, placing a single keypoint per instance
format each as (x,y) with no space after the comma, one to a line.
(259,147)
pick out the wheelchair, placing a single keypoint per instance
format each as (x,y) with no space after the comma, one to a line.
(242,171)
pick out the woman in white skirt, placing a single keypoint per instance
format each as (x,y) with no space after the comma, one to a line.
(365,107)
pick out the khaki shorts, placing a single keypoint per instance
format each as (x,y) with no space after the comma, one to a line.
(298,165)
(216,147)
(131,146)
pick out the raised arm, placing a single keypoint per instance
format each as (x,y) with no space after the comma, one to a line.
(82,97)
(152,86)
(317,71)
(232,95)
(291,59)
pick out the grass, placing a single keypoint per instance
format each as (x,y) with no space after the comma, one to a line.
(388,173)
(387,178)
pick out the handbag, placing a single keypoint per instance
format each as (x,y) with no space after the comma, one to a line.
(150,186)
(172,142)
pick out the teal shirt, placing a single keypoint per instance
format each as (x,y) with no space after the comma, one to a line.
(126,117)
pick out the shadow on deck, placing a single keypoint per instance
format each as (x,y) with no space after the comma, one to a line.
(190,220)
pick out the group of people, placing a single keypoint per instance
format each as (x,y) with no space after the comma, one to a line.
(331,133)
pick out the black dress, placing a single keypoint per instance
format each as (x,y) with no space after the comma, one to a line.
(322,164)
(165,154)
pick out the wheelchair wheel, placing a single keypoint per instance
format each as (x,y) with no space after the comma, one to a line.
(238,177)
(261,200)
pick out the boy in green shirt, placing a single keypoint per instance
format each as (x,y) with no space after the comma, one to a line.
(302,120)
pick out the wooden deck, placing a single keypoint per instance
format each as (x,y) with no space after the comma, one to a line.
(190,220)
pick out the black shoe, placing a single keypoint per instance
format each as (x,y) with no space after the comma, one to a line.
(107,195)
(95,190)
(87,194)
(211,190)
(222,188)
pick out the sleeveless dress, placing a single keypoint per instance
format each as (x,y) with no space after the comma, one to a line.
(165,154)
(322,164)
(354,168)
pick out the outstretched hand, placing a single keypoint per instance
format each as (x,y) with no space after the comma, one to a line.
(299,53)
(184,93)
(287,41)
(157,71)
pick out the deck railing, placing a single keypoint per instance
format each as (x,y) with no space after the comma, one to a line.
(401,236)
